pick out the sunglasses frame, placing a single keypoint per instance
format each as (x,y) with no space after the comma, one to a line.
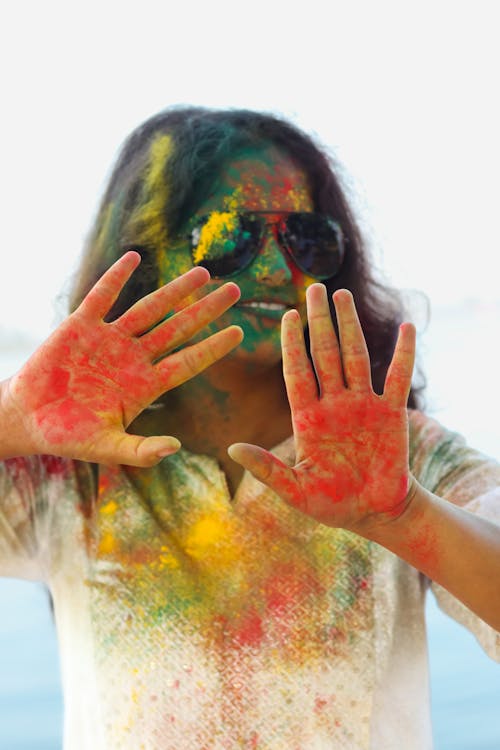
(279,224)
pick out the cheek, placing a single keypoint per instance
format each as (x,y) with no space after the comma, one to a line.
(173,263)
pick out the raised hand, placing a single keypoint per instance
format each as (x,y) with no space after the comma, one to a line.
(81,389)
(351,444)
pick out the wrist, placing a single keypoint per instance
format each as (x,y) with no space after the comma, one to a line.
(382,525)
(412,534)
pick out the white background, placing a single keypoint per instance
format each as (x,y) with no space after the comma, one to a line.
(405,94)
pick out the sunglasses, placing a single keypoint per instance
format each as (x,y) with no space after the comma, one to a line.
(225,242)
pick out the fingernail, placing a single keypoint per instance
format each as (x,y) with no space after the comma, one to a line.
(173,447)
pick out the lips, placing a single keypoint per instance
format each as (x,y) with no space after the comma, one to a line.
(266,308)
(264,305)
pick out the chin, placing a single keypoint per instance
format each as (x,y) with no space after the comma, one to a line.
(263,355)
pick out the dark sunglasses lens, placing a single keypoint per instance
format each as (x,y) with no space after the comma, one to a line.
(225,244)
(316,244)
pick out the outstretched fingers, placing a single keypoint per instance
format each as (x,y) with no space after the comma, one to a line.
(355,358)
(398,380)
(190,361)
(184,324)
(267,469)
(299,378)
(104,293)
(324,345)
(153,308)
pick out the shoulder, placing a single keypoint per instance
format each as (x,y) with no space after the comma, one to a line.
(39,475)
(443,462)
(428,437)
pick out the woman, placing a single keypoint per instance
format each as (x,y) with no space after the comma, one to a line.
(195,608)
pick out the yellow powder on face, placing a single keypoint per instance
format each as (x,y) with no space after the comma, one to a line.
(216,231)
(234,201)
(307,281)
(299,198)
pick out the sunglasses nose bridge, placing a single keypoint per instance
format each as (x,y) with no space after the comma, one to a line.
(273,226)
(273,262)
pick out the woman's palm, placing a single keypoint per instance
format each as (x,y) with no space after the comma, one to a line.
(81,389)
(351,444)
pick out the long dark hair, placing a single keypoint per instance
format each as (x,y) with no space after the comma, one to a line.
(166,169)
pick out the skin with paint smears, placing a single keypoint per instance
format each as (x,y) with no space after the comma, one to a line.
(79,392)
(233,400)
(257,180)
(351,444)
(215,617)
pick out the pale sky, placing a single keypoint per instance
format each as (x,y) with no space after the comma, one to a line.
(405,94)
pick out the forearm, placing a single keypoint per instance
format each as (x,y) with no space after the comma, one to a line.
(14,440)
(454,548)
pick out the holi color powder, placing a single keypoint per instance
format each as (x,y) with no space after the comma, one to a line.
(233,599)
(216,233)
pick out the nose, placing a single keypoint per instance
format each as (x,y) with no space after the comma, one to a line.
(271,267)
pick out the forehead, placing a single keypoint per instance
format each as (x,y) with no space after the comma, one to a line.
(261,179)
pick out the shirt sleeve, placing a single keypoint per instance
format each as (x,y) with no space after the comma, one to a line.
(32,488)
(444,464)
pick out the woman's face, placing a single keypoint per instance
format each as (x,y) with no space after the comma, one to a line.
(257,180)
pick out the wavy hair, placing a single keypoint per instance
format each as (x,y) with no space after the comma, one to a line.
(166,169)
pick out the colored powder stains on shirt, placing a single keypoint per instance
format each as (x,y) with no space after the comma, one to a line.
(192,548)
(250,630)
(165,560)
(216,236)
(109,507)
(55,466)
(107,544)
(207,534)
(289,647)
(236,580)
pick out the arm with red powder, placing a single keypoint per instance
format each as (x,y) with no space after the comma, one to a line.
(81,389)
(352,462)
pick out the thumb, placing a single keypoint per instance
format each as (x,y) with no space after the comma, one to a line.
(134,450)
(266,468)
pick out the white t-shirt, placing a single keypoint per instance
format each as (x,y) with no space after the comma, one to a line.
(190,620)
